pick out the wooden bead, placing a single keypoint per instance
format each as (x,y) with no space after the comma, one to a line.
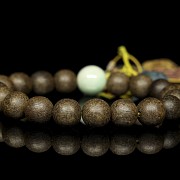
(14,104)
(65,81)
(38,109)
(96,112)
(174,92)
(151,111)
(124,112)
(140,85)
(43,82)
(169,88)
(67,112)
(172,106)
(5,79)
(117,83)
(4,91)
(157,86)
(21,82)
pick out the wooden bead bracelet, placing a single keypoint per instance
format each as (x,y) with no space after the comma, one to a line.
(123,83)
(95,112)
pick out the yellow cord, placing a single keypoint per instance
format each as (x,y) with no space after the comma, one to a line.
(127,69)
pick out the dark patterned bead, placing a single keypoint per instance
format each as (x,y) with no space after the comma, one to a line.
(124,112)
(67,112)
(151,111)
(38,109)
(96,112)
(14,104)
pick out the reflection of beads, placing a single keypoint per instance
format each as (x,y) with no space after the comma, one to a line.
(93,142)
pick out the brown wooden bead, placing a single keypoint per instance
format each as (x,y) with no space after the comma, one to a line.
(140,85)
(5,79)
(117,83)
(38,109)
(43,82)
(21,81)
(172,106)
(4,91)
(174,92)
(151,111)
(96,112)
(67,112)
(14,104)
(169,88)
(124,112)
(157,86)
(65,81)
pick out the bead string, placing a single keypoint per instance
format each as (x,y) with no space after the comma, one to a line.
(150,111)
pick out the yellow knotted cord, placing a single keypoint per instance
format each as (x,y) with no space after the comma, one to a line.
(127,69)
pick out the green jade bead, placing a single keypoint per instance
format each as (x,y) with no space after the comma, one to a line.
(91,80)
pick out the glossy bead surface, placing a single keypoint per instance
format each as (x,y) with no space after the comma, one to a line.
(91,80)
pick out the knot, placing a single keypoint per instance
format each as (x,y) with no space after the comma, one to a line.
(127,68)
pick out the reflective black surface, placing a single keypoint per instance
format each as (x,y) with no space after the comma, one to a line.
(23,140)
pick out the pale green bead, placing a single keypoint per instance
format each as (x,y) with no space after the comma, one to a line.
(91,80)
